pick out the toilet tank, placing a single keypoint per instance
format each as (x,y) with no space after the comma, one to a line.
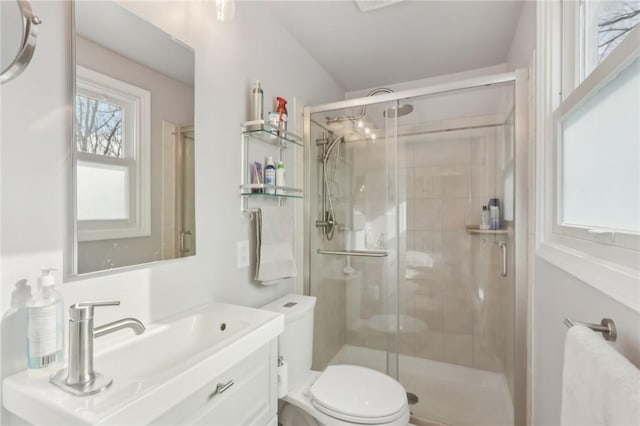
(295,344)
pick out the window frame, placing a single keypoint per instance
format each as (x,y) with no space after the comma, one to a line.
(592,256)
(136,104)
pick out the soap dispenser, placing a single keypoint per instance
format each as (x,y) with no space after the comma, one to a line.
(45,317)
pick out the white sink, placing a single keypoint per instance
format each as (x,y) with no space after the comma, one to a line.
(172,358)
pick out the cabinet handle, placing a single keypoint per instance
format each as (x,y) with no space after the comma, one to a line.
(221,387)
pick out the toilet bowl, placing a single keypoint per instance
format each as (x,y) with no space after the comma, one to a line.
(341,394)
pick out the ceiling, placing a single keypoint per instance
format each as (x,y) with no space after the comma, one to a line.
(406,41)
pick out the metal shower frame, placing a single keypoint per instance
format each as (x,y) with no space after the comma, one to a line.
(520,80)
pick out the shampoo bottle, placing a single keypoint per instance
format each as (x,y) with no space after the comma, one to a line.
(494,213)
(45,325)
(270,176)
(484,218)
(280,177)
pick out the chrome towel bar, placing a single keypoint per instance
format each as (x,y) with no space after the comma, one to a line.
(361,253)
(607,327)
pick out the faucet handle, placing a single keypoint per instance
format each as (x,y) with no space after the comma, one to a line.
(84,310)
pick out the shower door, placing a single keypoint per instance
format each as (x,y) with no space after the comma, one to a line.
(353,230)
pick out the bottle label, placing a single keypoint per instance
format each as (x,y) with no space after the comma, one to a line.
(42,334)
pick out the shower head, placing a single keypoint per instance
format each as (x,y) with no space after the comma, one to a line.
(398,111)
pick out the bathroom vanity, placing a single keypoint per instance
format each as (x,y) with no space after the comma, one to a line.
(215,364)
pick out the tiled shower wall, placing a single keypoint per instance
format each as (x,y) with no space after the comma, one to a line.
(453,302)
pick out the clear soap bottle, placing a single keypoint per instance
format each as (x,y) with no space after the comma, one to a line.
(45,325)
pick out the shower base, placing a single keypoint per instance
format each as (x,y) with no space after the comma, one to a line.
(449,394)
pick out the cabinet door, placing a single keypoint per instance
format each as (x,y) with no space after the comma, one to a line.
(243,395)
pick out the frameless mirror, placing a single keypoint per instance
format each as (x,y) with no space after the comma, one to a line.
(133,142)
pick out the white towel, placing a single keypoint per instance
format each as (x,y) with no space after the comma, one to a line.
(274,245)
(599,386)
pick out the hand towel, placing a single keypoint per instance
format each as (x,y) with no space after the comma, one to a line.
(599,385)
(274,245)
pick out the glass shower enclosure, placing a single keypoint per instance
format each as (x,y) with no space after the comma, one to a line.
(406,281)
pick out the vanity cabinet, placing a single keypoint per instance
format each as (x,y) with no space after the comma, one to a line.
(245,394)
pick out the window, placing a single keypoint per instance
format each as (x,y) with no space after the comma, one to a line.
(588,108)
(112,158)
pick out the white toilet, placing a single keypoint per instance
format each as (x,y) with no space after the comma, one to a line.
(342,394)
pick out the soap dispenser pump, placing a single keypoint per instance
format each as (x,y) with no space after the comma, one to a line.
(45,324)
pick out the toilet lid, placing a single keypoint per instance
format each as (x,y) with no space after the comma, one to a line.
(358,394)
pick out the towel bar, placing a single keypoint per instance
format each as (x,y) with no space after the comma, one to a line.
(607,327)
(360,253)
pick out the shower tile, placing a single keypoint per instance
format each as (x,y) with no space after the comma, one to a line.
(457,315)
(455,181)
(410,214)
(485,252)
(454,211)
(459,288)
(427,214)
(456,247)
(405,153)
(429,345)
(483,148)
(455,123)
(456,148)
(428,306)
(427,182)
(458,348)
(376,184)
(428,151)
(405,184)
(427,248)
(483,180)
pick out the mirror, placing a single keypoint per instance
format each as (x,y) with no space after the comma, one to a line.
(133,142)
(18,38)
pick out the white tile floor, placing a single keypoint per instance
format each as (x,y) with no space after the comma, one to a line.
(449,394)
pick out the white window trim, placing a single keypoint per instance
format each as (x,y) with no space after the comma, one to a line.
(137,159)
(601,266)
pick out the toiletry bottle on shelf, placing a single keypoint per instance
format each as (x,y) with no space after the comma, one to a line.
(484,218)
(280,178)
(282,115)
(257,102)
(256,175)
(494,213)
(270,176)
(45,325)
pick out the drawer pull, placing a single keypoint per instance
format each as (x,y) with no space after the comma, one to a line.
(221,387)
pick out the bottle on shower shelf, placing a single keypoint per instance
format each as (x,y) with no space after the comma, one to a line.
(270,176)
(484,218)
(494,213)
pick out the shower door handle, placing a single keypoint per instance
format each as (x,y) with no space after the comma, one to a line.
(503,249)
(361,253)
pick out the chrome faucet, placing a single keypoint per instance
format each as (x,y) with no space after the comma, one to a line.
(79,378)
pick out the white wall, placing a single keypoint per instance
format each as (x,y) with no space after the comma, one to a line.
(524,39)
(35,157)
(558,295)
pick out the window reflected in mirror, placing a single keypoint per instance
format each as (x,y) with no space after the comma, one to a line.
(133,141)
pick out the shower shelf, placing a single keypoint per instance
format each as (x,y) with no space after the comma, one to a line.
(255,134)
(477,230)
(246,191)
(265,132)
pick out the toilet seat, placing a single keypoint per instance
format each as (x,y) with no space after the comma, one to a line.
(358,394)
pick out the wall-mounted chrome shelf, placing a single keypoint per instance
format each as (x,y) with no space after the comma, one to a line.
(268,133)
(258,190)
(476,230)
(278,141)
